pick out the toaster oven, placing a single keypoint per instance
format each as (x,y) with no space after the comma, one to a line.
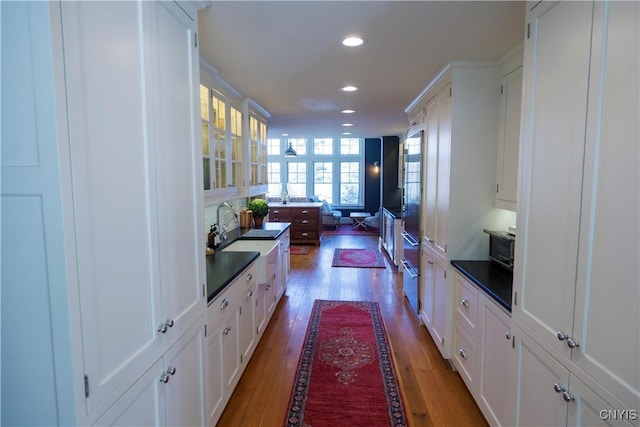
(501,247)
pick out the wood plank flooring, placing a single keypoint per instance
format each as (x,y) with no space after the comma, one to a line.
(434,395)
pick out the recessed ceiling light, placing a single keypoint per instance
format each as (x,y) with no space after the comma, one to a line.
(285,134)
(349,89)
(352,41)
(347,124)
(346,133)
(348,111)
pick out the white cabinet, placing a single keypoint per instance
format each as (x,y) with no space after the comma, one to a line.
(256,141)
(392,241)
(509,134)
(231,339)
(285,259)
(576,269)
(434,309)
(496,394)
(123,224)
(461,107)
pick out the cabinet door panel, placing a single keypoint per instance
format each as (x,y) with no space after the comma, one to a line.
(444,170)
(589,409)
(112,207)
(185,389)
(608,254)
(431,170)
(179,190)
(215,379)
(538,402)
(426,286)
(553,146)
(246,323)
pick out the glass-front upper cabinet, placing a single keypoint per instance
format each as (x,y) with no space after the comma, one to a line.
(257,148)
(221,144)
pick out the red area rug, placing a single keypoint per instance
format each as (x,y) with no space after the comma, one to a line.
(299,250)
(362,258)
(345,374)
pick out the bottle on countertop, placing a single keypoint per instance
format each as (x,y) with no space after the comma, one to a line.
(211,237)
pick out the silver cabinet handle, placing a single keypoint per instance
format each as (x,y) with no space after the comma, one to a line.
(408,268)
(166,325)
(226,330)
(249,277)
(572,344)
(508,335)
(304,212)
(250,293)
(224,304)
(164,378)
(464,302)
(171,370)
(305,234)
(305,221)
(558,388)
(462,353)
(406,236)
(568,397)
(562,336)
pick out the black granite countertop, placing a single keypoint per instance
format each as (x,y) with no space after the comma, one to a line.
(223,267)
(268,231)
(494,280)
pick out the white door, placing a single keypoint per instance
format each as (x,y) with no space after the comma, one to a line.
(109,145)
(184,368)
(542,382)
(430,171)
(607,293)
(552,149)
(178,188)
(444,170)
(215,385)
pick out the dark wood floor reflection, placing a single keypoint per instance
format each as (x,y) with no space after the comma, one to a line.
(433,394)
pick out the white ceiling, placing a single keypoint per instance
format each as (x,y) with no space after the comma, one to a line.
(287,56)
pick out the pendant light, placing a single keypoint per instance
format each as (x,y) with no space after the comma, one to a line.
(290,152)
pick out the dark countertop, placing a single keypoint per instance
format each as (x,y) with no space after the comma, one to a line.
(223,267)
(494,280)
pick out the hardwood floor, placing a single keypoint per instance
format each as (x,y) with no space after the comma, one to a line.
(433,394)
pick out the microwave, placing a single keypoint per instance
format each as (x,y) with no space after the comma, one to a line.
(501,248)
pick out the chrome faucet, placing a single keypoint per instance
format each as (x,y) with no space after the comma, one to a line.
(225,226)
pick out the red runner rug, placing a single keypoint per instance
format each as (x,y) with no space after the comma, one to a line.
(345,374)
(363,258)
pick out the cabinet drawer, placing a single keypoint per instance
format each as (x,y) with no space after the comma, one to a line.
(304,235)
(466,305)
(299,213)
(464,357)
(225,302)
(302,223)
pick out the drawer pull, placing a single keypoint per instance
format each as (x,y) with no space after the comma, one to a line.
(224,304)
(226,330)
(250,293)
(305,234)
(304,221)
(249,277)
(276,212)
(462,353)
(304,212)
(464,302)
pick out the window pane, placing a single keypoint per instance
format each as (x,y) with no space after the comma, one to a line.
(297,179)
(323,146)
(349,146)
(274,186)
(349,183)
(273,148)
(299,145)
(323,180)
(204,103)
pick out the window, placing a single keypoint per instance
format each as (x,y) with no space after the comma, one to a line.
(331,168)
(323,180)
(349,183)
(274,187)
(322,146)
(297,179)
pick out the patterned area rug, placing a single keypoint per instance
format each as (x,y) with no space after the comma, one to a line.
(299,250)
(362,258)
(345,374)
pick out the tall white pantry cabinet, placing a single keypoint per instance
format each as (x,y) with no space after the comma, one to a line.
(102,273)
(576,292)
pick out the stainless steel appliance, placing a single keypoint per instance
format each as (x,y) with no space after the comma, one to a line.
(411,218)
(501,247)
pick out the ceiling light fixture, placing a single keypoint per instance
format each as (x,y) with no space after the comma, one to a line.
(290,152)
(347,124)
(348,111)
(352,41)
(349,89)
(346,133)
